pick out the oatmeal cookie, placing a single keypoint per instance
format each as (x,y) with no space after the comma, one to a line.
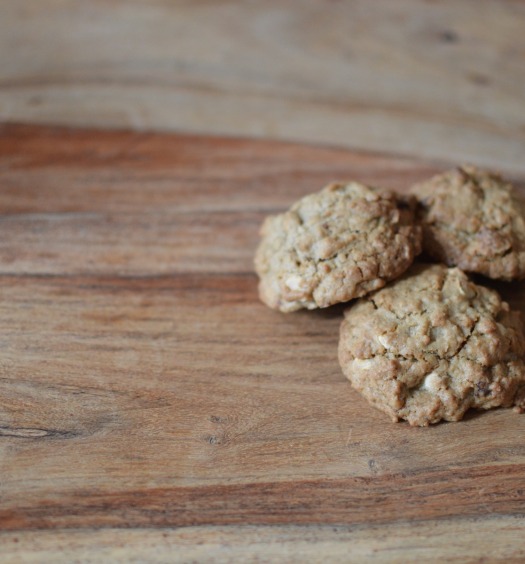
(335,245)
(433,344)
(470,219)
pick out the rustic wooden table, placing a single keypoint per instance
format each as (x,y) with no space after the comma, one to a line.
(436,79)
(151,409)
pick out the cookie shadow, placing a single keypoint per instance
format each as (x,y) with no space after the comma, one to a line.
(332,312)
(473,414)
(511,292)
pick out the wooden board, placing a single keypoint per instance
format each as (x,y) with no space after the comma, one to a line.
(426,78)
(149,403)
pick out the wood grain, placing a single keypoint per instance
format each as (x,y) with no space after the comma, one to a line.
(434,79)
(144,387)
(401,543)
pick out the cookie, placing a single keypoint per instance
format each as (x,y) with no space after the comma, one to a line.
(470,219)
(335,245)
(433,344)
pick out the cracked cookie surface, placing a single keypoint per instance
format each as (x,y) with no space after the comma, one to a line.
(432,345)
(470,219)
(335,245)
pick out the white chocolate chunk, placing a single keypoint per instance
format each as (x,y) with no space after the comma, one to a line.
(294,282)
(432,382)
(384,341)
(363,363)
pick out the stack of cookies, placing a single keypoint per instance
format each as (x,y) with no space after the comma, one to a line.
(423,343)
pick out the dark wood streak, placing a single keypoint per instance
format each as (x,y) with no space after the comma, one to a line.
(375,499)
(36,434)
